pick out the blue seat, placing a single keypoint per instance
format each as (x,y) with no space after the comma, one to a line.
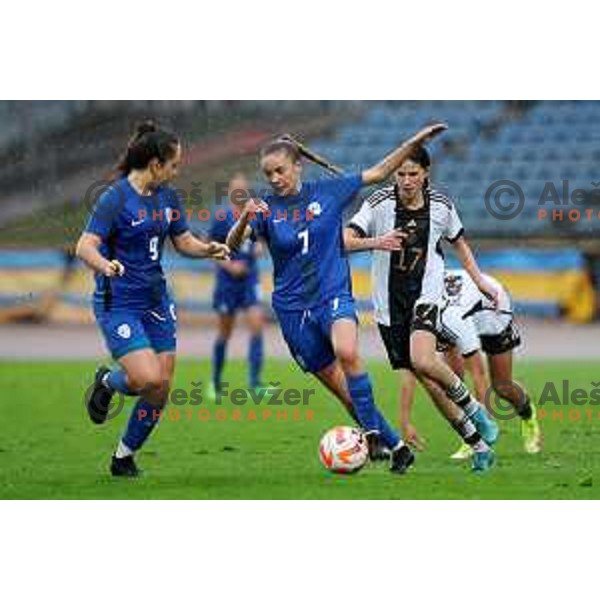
(551,142)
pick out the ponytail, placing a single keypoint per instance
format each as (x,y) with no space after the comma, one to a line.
(296,150)
(148,142)
(281,145)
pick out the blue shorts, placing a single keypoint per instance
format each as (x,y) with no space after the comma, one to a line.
(127,330)
(231,298)
(308,332)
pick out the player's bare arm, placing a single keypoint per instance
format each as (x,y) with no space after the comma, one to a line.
(241,231)
(384,169)
(388,242)
(189,245)
(465,255)
(88,251)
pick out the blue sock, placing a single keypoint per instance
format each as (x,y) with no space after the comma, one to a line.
(142,421)
(116,381)
(368,414)
(255,358)
(389,436)
(361,393)
(218,360)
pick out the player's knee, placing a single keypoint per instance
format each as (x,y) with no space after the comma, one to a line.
(349,359)
(255,329)
(255,325)
(422,363)
(149,384)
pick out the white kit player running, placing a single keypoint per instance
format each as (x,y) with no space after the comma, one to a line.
(405,224)
(472,324)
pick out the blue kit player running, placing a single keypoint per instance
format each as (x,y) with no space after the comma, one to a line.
(123,245)
(301,223)
(237,289)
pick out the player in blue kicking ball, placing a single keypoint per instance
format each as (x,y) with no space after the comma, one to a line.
(123,245)
(237,290)
(301,222)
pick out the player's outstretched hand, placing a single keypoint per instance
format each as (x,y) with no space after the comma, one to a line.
(114,269)
(428,133)
(218,251)
(412,438)
(391,241)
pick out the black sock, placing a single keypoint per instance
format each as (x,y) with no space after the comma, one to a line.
(457,392)
(525,411)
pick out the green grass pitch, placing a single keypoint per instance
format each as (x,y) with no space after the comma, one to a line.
(49,449)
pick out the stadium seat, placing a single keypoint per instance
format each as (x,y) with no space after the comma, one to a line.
(552,141)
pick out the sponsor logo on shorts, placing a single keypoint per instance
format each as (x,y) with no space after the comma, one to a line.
(124,331)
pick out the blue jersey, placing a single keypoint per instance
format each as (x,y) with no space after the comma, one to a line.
(133,229)
(305,238)
(247,253)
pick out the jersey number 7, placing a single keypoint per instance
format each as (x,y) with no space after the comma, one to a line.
(303,235)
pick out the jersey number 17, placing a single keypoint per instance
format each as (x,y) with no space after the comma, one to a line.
(408,259)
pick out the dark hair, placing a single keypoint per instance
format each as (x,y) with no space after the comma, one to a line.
(148,142)
(280,145)
(421,157)
(296,150)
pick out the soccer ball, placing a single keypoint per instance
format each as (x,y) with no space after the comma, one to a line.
(343,450)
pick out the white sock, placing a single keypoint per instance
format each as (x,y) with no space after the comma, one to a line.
(123,450)
(470,406)
(481,446)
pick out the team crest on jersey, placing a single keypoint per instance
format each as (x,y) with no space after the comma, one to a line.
(453,284)
(124,331)
(315,208)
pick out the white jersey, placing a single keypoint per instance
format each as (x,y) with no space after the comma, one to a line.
(415,274)
(469,314)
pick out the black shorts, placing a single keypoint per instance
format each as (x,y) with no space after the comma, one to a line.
(502,342)
(426,317)
(396,337)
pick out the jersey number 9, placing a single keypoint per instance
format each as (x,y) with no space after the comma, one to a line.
(154,248)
